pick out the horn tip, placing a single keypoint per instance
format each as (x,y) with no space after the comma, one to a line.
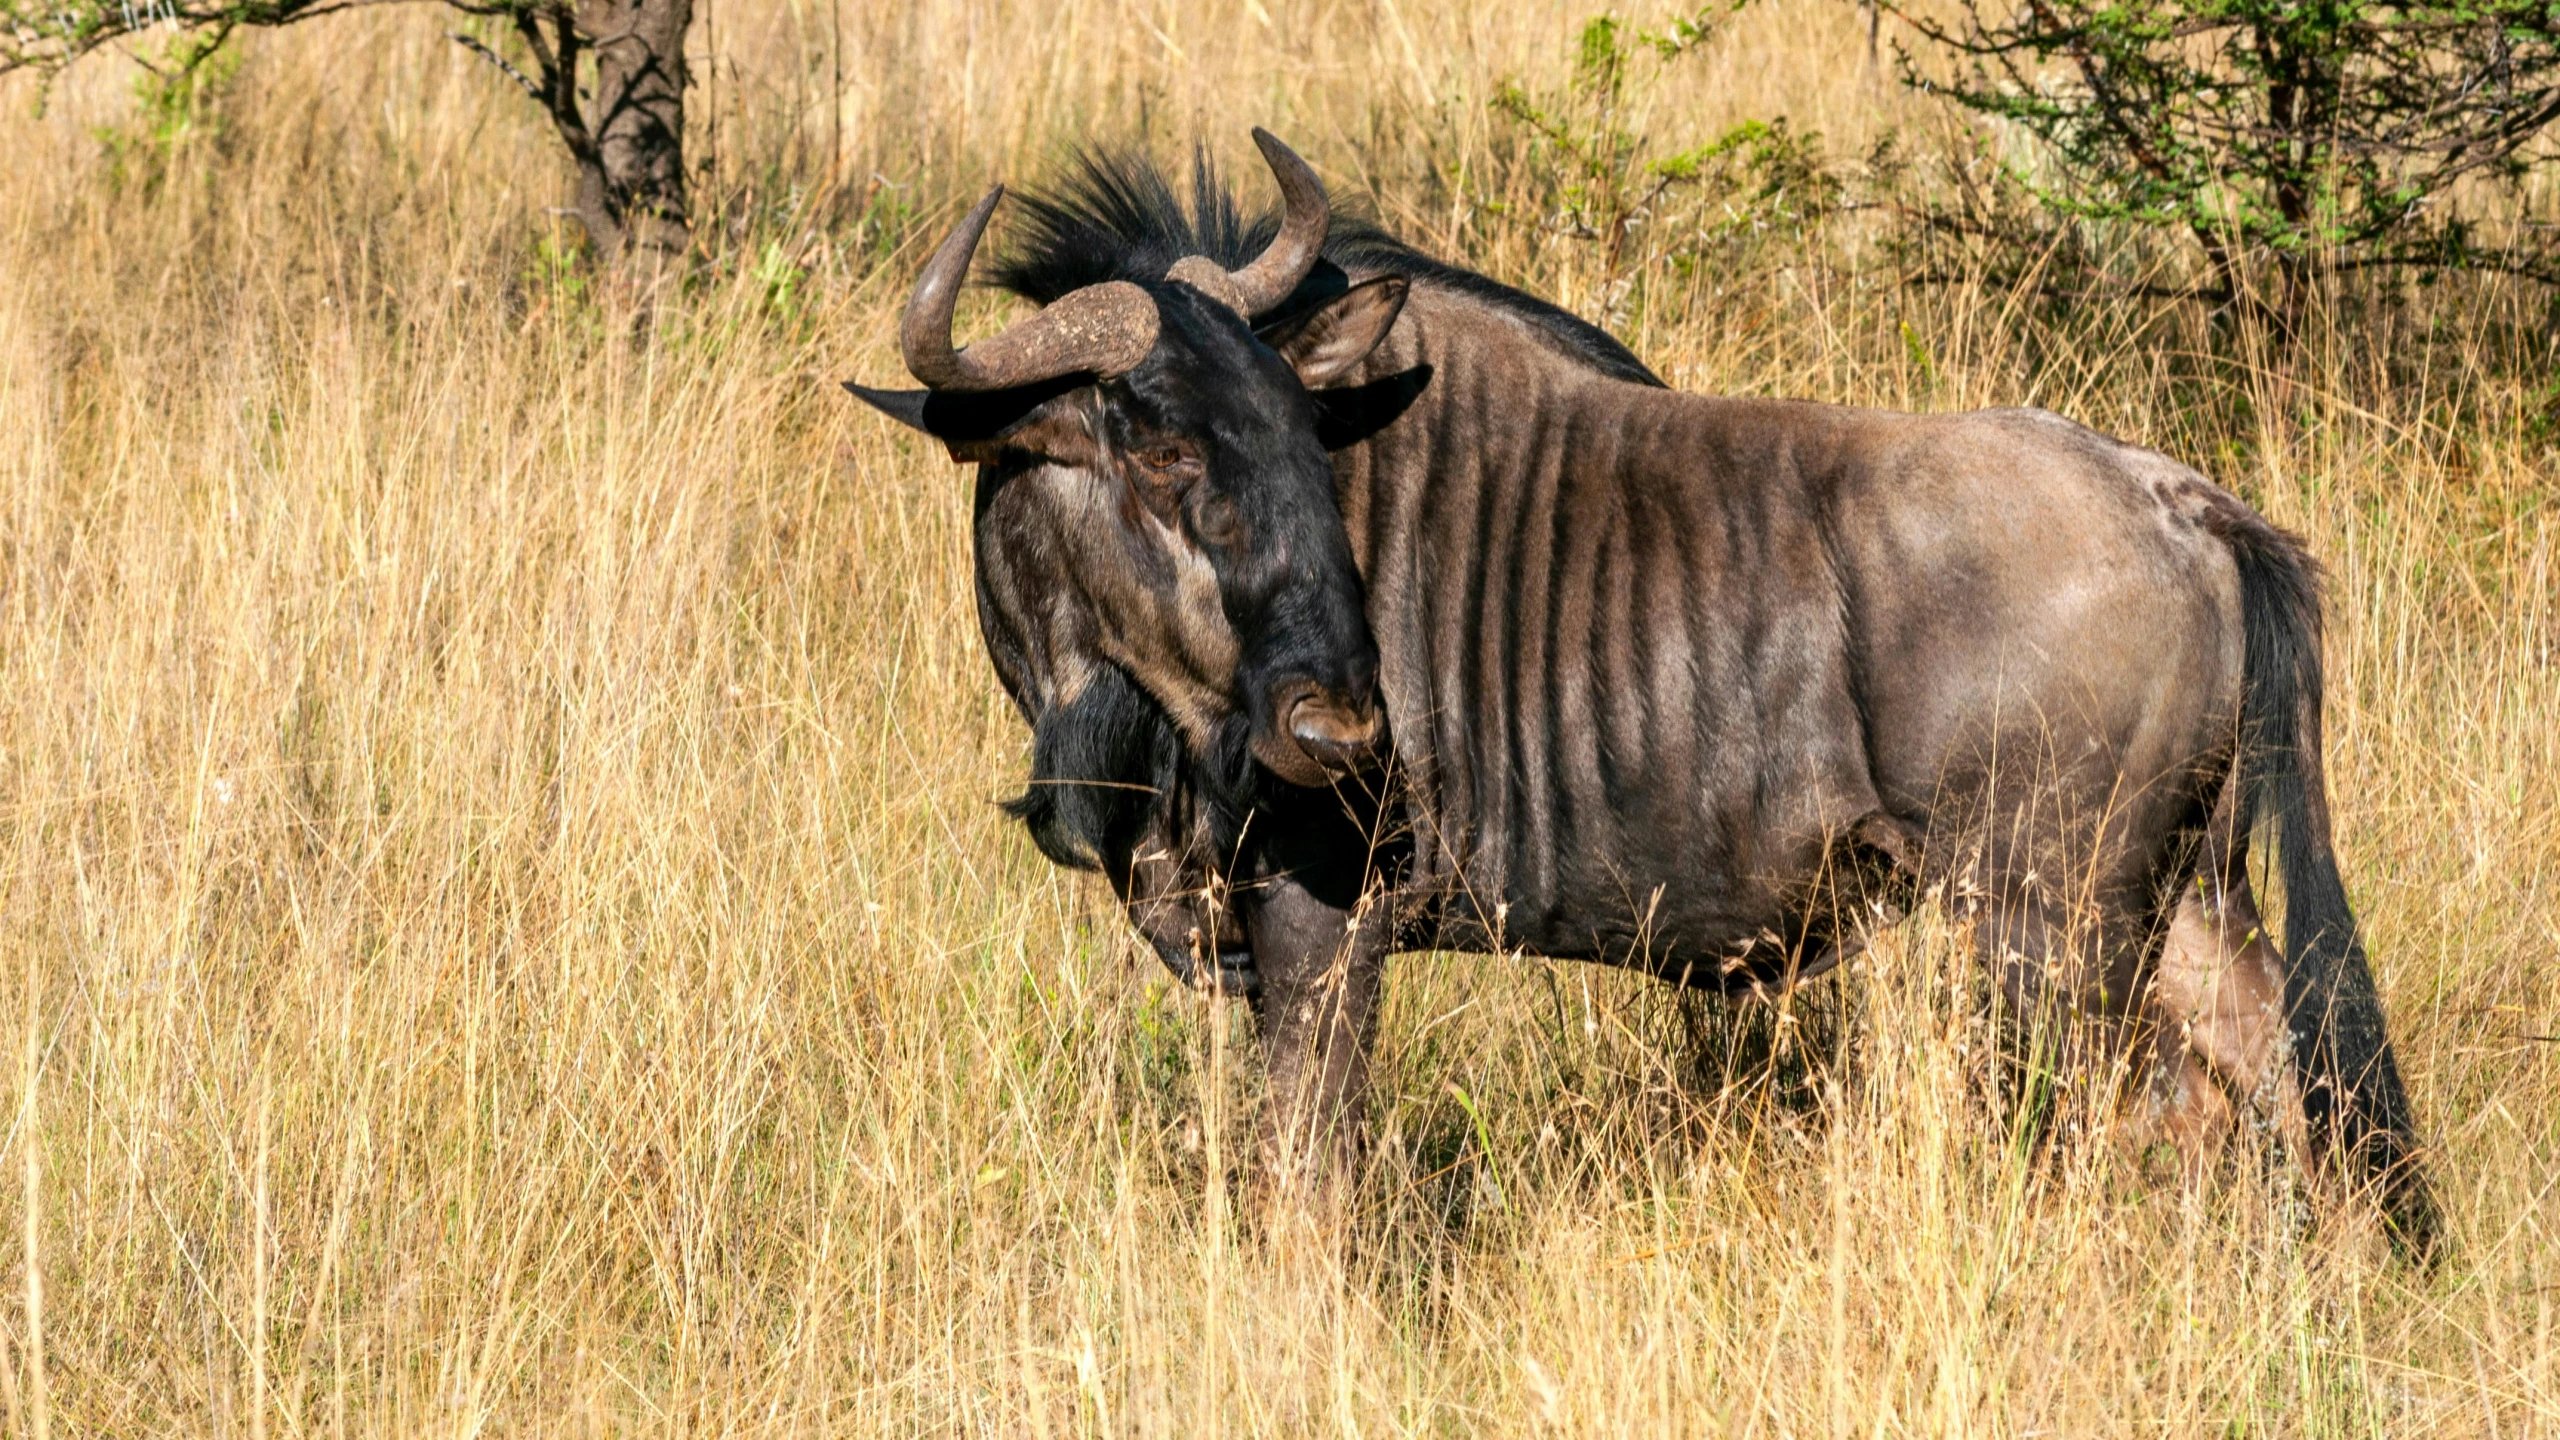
(1288,167)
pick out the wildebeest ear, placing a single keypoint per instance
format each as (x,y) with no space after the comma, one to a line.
(1324,343)
(978,426)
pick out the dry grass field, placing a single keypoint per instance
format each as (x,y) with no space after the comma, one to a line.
(506,930)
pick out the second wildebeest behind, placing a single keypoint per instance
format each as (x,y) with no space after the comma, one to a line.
(1547,658)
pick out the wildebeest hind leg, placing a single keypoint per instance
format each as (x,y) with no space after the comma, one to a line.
(1319,966)
(2216,1017)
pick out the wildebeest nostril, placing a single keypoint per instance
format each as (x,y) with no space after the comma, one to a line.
(1328,723)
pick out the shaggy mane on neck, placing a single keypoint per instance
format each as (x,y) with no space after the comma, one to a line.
(1117,216)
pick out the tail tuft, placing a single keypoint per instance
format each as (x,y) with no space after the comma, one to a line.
(2355,1108)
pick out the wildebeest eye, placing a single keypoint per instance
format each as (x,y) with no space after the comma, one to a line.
(1162,458)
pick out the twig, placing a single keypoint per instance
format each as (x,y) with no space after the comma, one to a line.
(494,58)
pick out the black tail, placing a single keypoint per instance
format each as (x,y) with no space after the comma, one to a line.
(2356,1112)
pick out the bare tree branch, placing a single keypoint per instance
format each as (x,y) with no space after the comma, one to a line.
(493,57)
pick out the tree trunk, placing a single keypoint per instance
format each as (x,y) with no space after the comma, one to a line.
(631,173)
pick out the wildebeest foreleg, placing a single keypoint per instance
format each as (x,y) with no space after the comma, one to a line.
(1319,966)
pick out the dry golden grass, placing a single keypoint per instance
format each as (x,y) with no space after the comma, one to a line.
(507,934)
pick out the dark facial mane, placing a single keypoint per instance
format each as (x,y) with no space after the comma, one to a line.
(1116,216)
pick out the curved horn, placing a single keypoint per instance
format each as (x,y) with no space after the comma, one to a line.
(1304,216)
(1103,329)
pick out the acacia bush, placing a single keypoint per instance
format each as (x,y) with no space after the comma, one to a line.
(2286,139)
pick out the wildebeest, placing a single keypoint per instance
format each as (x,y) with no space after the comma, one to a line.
(1358,602)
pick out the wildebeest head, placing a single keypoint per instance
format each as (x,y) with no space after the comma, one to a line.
(1193,499)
